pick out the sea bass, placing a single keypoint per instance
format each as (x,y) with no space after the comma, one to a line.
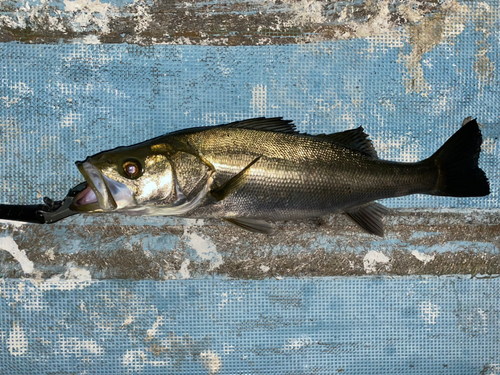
(259,170)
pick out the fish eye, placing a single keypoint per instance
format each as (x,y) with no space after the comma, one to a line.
(132,169)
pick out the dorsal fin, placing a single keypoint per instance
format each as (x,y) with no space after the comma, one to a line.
(275,124)
(355,139)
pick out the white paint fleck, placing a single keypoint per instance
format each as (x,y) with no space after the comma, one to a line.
(483,323)
(378,24)
(408,148)
(17,343)
(8,101)
(264,268)
(423,257)
(388,104)
(372,259)
(153,331)
(259,100)
(91,39)
(297,343)
(20,88)
(211,362)
(134,360)
(489,145)
(143,18)
(15,224)
(50,254)
(227,348)
(73,278)
(411,11)
(88,14)
(79,274)
(8,244)
(80,348)
(184,270)
(429,311)
(204,247)
(130,319)
(491,369)
(305,12)
(230,296)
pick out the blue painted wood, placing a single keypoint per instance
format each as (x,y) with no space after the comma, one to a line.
(320,326)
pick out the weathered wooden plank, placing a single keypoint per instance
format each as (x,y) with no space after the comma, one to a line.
(417,242)
(211,22)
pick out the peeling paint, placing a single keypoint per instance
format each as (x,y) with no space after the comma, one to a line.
(374,259)
(463,242)
(429,312)
(490,145)
(211,362)
(17,342)
(441,26)
(89,14)
(73,278)
(8,244)
(184,270)
(410,148)
(204,248)
(259,100)
(74,346)
(151,333)
(134,359)
(486,19)
(423,257)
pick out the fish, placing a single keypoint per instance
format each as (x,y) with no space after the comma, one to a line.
(254,172)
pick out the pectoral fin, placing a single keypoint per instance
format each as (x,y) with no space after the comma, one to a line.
(253,225)
(369,217)
(233,184)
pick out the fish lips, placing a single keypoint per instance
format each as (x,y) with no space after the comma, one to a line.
(102,194)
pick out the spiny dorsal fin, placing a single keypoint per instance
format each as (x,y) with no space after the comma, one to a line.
(252,225)
(355,139)
(369,217)
(275,124)
(233,184)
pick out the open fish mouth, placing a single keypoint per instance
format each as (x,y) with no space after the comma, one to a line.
(102,194)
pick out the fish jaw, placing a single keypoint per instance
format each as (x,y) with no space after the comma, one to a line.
(102,194)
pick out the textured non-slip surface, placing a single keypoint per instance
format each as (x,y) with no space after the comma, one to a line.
(326,326)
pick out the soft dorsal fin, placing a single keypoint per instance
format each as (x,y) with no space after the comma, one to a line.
(275,124)
(369,217)
(355,139)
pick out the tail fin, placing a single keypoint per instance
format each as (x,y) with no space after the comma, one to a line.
(457,160)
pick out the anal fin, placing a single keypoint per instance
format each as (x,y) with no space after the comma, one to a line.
(233,184)
(252,225)
(369,217)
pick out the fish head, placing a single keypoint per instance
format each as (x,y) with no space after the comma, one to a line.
(125,179)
